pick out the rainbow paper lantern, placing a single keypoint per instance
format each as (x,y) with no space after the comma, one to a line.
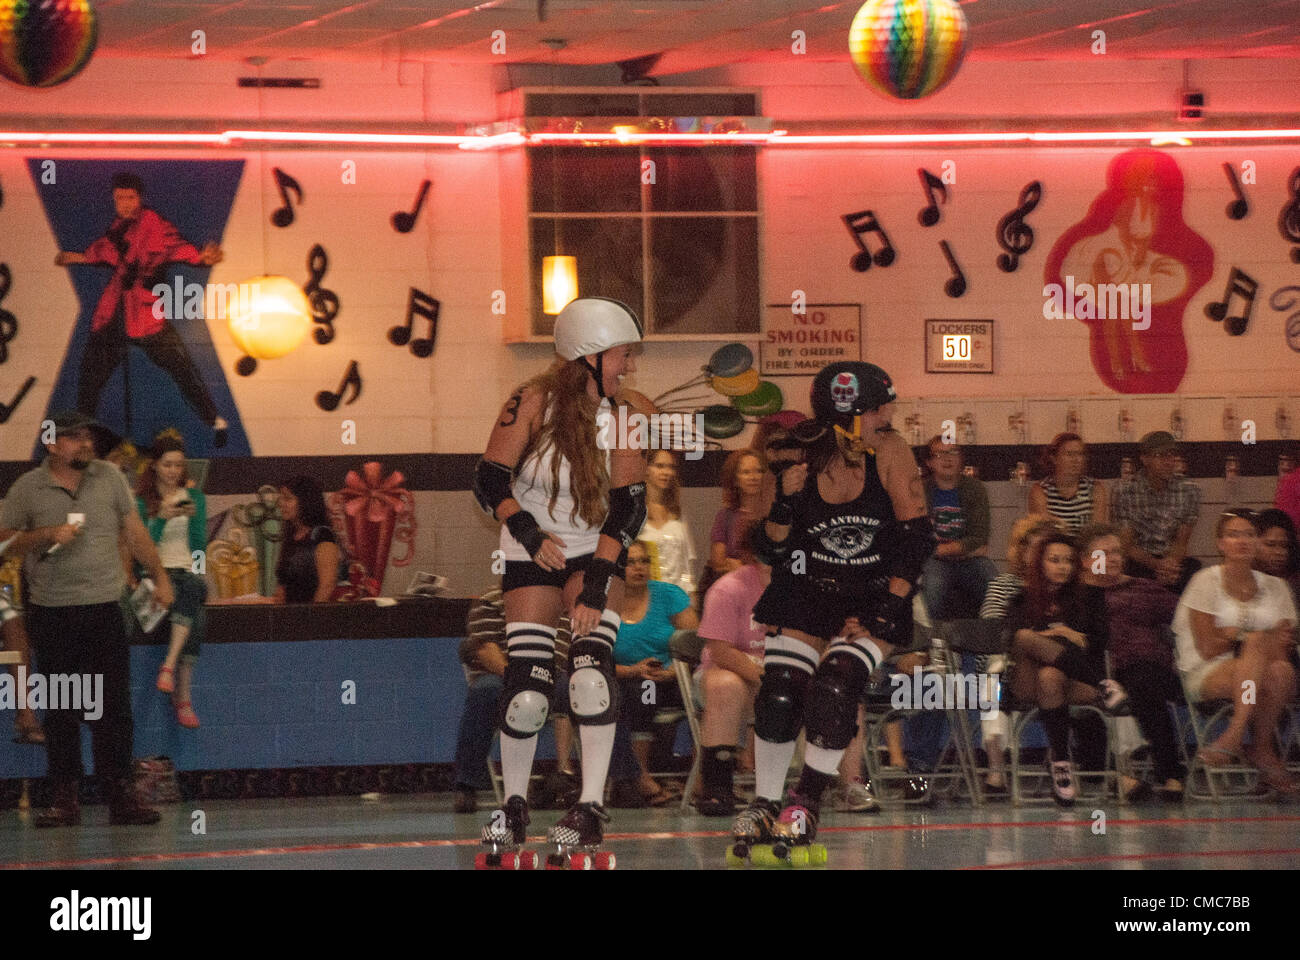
(45,42)
(908,49)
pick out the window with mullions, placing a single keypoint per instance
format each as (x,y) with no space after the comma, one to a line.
(682,250)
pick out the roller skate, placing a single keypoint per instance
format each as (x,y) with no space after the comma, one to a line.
(753,833)
(504,835)
(576,840)
(794,832)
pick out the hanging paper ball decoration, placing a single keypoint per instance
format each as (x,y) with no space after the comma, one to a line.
(908,48)
(45,42)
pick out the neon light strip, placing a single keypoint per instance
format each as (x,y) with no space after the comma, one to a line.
(515,139)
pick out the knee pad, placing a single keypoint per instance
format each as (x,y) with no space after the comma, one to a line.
(833,700)
(526,696)
(591,682)
(779,706)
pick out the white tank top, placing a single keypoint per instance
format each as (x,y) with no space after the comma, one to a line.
(532,489)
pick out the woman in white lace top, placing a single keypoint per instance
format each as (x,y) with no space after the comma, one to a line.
(673,551)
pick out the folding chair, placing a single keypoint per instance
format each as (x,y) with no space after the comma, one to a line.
(1236,782)
(1020,721)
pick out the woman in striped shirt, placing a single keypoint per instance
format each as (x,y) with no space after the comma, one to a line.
(1065,494)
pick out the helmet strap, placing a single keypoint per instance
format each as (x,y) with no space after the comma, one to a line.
(597,372)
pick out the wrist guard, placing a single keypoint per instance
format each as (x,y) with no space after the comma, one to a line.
(595,583)
(913,544)
(893,620)
(523,527)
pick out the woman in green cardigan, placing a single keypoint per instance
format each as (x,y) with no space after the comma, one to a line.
(177,519)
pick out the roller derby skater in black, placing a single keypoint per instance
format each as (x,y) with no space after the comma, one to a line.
(569,506)
(847,537)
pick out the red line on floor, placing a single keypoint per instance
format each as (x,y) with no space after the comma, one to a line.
(664,835)
(1105,858)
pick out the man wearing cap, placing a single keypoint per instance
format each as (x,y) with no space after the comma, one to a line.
(70,514)
(1156,512)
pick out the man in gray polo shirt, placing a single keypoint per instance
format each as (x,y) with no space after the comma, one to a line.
(71,513)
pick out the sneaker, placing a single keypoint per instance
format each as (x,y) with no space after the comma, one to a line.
(1063,783)
(856,797)
(466,800)
(1114,699)
(917,790)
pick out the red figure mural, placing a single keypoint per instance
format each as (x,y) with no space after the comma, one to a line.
(1132,251)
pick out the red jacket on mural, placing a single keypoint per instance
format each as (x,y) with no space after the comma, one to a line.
(139,251)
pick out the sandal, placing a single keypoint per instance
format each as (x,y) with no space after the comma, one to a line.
(166,680)
(186,716)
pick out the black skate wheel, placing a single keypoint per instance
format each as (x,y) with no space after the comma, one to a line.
(554,862)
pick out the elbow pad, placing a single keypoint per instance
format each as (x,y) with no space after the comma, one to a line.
(913,545)
(626,513)
(492,484)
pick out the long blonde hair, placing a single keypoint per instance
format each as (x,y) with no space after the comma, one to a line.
(571,429)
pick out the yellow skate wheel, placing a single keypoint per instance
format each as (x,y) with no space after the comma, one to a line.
(733,860)
(817,855)
(763,856)
(799,856)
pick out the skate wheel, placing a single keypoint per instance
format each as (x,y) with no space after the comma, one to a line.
(798,856)
(509,861)
(554,862)
(480,861)
(765,857)
(604,861)
(817,855)
(735,859)
(528,860)
(579,861)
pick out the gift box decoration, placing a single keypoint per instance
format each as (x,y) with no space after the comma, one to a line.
(373,511)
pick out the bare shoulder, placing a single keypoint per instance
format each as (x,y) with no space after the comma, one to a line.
(893,453)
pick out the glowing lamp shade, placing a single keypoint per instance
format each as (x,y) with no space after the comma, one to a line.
(45,42)
(908,49)
(272,320)
(559,283)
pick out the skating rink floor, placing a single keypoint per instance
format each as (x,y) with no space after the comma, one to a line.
(419,832)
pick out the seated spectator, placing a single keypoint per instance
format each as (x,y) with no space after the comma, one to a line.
(652,611)
(1138,615)
(1156,512)
(1233,628)
(727,680)
(1066,493)
(175,513)
(742,493)
(1287,497)
(1057,630)
(308,569)
(1279,551)
(666,531)
(958,574)
(27,729)
(483,656)
(995,727)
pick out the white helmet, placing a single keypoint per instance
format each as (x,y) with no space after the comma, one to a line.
(591,325)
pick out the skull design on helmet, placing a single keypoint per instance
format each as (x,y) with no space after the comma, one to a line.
(844,391)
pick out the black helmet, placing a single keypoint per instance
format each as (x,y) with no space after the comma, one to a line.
(844,391)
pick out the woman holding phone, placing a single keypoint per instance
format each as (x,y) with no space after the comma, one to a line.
(176,517)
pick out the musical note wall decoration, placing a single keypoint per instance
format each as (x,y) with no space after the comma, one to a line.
(8,322)
(7,409)
(1240,285)
(929,214)
(865,222)
(418,303)
(956,284)
(324,302)
(1291,295)
(328,400)
(404,222)
(283,216)
(1014,235)
(1238,208)
(1288,221)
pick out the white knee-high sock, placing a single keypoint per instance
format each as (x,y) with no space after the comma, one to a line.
(530,643)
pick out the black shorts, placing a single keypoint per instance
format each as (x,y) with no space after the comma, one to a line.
(526,573)
(814,607)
